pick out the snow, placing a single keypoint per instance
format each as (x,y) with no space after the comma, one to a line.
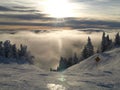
(108,61)
(103,75)
(87,75)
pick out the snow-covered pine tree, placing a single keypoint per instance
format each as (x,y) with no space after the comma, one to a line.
(88,49)
(117,39)
(70,61)
(62,64)
(22,51)
(1,49)
(75,58)
(11,54)
(109,43)
(84,53)
(106,43)
(14,51)
(103,43)
(7,49)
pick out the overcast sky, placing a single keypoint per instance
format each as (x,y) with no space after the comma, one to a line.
(42,14)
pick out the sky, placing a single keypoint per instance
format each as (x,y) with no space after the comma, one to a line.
(59,14)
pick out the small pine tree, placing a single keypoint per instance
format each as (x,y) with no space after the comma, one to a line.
(1,49)
(109,43)
(14,51)
(7,49)
(106,43)
(75,58)
(88,49)
(84,53)
(62,64)
(117,39)
(103,43)
(22,51)
(70,61)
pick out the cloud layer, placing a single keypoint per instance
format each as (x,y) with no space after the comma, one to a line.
(92,14)
(48,46)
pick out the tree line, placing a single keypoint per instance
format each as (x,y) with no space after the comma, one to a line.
(9,53)
(88,50)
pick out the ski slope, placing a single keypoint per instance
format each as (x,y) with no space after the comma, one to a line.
(109,60)
(87,75)
(104,75)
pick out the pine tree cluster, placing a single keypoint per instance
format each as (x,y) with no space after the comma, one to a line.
(117,40)
(65,63)
(88,50)
(9,53)
(106,43)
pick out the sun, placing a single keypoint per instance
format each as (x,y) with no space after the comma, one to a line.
(58,8)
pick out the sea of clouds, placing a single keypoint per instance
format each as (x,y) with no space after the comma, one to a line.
(49,46)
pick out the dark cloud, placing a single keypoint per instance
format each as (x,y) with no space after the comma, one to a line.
(23,16)
(72,23)
(25,24)
(4,8)
(77,23)
(17,9)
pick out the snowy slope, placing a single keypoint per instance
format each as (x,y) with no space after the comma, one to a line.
(104,75)
(86,75)
(108,61)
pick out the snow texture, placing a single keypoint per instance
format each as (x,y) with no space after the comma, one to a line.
(87,75)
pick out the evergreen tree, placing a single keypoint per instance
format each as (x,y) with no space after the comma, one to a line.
(22,51)
(1,49)
(7,49)
(70,61)
(109,43)
(10,53)
(88,49)
(62,64)
(106,43)
(117,39)
(84,53)
(103,43)
(75,58)
(14,51)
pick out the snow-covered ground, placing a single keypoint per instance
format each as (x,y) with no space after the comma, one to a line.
(87,75)
(104,75)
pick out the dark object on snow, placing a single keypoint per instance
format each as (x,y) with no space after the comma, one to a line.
(97,59)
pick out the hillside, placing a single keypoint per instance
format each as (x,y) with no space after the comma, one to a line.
(108,61)
(103,75)
(87,75)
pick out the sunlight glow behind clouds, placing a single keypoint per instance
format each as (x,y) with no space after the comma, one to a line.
(58,8)
(107,9)
(47,13)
